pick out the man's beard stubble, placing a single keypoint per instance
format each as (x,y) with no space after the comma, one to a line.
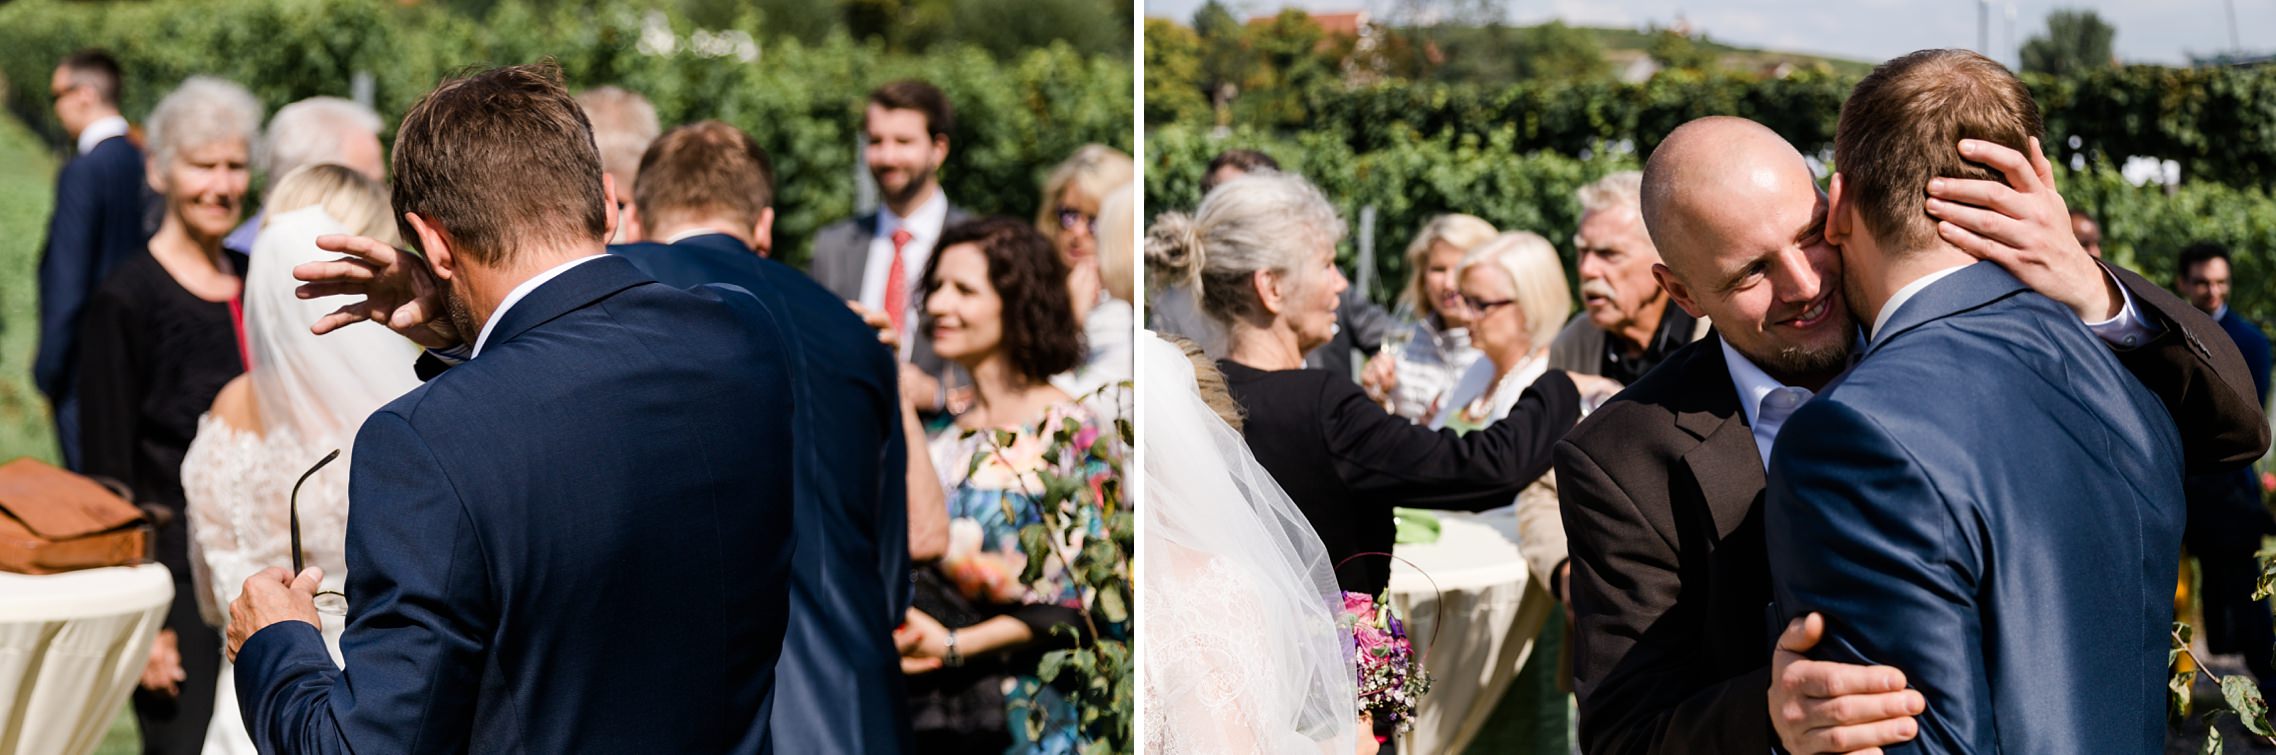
(461,317)
(917,182)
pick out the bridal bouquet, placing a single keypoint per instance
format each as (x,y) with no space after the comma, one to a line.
(1391,679)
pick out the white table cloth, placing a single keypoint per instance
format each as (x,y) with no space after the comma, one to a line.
(72,646)
(1475,629)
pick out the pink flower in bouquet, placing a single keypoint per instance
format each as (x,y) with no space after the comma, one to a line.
(2268,482)
(1085,438)
(1359,604)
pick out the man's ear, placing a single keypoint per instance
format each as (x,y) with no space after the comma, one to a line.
(633,230)
(1839,212)
(940,150)
(762,233)
(608,203)
(435,245)
(1676,289)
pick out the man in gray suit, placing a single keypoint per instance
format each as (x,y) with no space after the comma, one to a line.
(875,260)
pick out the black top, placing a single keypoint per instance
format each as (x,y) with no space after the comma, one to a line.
(1346,462)
(1674,333)
(152,356)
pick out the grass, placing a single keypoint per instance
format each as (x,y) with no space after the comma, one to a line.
(27,195)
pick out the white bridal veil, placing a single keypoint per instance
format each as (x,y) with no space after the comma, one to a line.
(1243,654)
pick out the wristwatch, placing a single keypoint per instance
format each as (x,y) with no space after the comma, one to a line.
(952,659)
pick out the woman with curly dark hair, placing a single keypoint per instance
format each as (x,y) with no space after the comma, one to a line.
(996,304)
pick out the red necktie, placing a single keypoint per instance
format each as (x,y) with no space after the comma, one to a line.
(897,283)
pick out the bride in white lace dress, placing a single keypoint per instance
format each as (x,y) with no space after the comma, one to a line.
(303,397)
(1242,650)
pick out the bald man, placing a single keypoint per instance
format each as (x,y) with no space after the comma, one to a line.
(1662,488)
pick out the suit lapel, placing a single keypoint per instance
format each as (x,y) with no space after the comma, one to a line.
(1726,463)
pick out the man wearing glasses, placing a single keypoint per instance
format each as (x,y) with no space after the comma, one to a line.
(98,221)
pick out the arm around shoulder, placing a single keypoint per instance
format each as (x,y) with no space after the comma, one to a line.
(2197,372)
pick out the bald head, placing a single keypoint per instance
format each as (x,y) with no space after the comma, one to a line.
(1714,178)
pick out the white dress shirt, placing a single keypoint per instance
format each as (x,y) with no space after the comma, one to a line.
(520,291)
(103,128)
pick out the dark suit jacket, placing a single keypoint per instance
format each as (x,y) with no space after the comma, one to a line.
(1989,503)
(841,256)
(97,222)
(579,541)
(1662,494)
(838,688)
(2253,344)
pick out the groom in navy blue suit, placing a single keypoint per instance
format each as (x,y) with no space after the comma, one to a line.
(577,539)
(1988,501)
(705,191)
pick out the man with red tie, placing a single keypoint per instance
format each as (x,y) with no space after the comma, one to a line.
(874,260)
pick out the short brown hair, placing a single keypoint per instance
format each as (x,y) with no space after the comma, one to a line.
(911,94)
(1040,335)
(96,69)
(1902,126)
(706,169)
(500,159)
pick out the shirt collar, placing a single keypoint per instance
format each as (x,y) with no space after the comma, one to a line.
(924,222)
(1753,384)
(521,291)
(1905,294)
(2222,311)
(102,128)
(692,233)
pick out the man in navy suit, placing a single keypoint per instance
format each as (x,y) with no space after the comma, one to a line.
(2226,517)
(98,221)
(577,539)
(1987,502)
(700,215)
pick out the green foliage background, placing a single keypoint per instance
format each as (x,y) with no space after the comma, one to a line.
(1514,153)
(1018,112)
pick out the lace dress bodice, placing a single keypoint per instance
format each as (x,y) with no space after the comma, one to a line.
(1214,674)
(239,486)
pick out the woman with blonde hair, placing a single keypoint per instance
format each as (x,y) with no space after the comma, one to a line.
(1072,218)
(303,396)
(1413,380)
(1513,289)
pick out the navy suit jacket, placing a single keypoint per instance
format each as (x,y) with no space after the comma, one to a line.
(579,541)
(2253,344)
(838,688)
(97,222)
(1989,503)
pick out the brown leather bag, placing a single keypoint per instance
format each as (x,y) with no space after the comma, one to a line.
(52,520)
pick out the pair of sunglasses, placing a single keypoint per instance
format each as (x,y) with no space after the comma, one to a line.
(331,602)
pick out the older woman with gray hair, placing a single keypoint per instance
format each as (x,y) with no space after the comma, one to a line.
(158,341)
(1260,252)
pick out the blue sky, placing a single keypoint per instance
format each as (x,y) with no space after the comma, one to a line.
(2149,31)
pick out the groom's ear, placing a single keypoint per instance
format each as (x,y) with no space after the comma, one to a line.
(1839,223)
(608,202)
(435,246)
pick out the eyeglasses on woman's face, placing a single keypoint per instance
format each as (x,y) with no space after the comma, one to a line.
(1480,307)
(1071,219)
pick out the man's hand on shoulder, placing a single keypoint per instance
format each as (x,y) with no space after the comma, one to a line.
(1821,706)
(2024,226)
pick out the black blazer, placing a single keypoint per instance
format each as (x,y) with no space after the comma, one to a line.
(841,256)
(1345,462)
(1662,492)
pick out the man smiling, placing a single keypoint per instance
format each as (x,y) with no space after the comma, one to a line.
(1663,487)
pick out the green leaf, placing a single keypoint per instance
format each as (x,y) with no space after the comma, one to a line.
(2243,696)
(1036,542)
(2212,738)
(1052,663)
(2178,697)
(1111,607)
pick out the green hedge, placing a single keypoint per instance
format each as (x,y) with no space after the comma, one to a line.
(1412,178)
(1015,118)
(2218,123)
